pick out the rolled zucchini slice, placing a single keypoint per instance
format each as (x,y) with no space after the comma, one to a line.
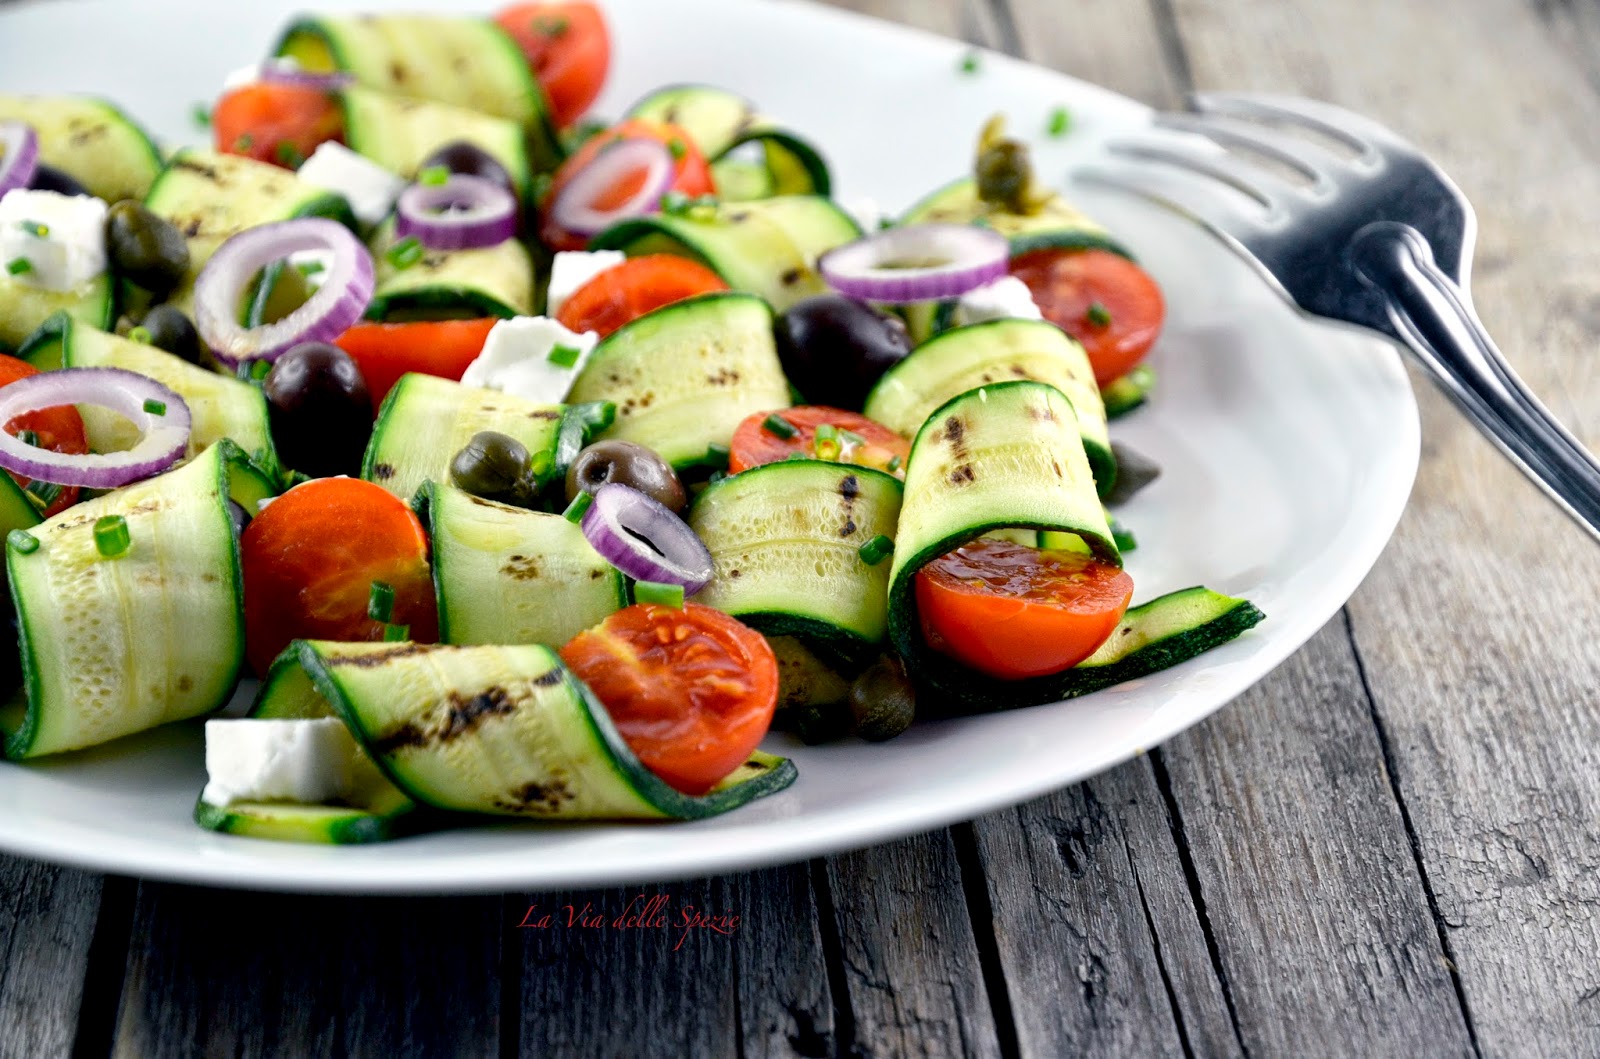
(115,645)
(465,61)
(724,126)
(400,131)
(426,420)
(991,352)
(221,406)
(91,141)
(24,308)
(506,731)
(443,284)
(498,571)
(1058,224)
(684,376)
(785,541)
(767,246)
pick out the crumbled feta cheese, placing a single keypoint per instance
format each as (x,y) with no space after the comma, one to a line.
(866,211)
(571,269)
(259,760)
(516,359)
(1007,297)
(313,264)
(370,188)
(249,75)
(50,240)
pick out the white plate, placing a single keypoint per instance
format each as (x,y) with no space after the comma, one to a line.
(1288,451)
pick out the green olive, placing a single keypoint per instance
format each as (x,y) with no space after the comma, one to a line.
(817,723)
(628,464)
(146,249)
(1005,174)
(494,466)
(171,330)
(882,700)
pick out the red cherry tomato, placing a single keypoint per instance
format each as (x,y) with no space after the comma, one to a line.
(58,429)
(691,174)
(276,123)
(625,292)
(1102,299)
(569,49)
(755,442)
(384,352)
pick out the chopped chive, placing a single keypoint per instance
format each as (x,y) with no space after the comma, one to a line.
(201,115)
(244,143)
(894,464)
(1098,315)
(310,268)
(23,541)
(674,203)
(970,62)
(44,492)
(827,432)
(260,369)
(548,26)
(19,265)
(28,437)
(540,463)
(851,437)
(434,175)
(380,601)
(288,154)
(659,594)
(405,253)
(575,510)
(141,335)
(155,408)
(111,535)
(798,456)
(677,148)
(778,426)
(396,633)
(876,550)
(35,229)
(715,451)
(564,356)
(717,476)
(1060,122)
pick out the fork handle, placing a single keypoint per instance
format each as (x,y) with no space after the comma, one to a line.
(1434,319)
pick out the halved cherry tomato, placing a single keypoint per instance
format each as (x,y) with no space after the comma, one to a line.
(1012,611)
(384,352)
(691,691)
(691,174)
(1102,299)
(276,123)
(625,292)
(754,442)
(569,49)
(59,430)
(311,556)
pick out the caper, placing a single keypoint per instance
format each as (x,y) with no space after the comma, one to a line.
(146,249)
(494,466)
(49,178)
(629,464)
(1002,173)
(882,700)
(171,330)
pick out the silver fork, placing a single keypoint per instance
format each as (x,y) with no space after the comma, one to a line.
(1382,240)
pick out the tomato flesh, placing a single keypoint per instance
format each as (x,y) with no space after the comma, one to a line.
(568,47)
(310,558)
(755,443)
(691,174)
(277,123)
(640,285)
(59,430)
(691,691)
(1102,299)
(384,352)
(1012,612)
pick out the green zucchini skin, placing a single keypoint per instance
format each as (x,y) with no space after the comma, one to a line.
(488,281)
(720,122)
(498,570)
(685,376)
(1123,395)
(90,140)
(103,654)
(983,354)
(425,420)
(24,309)
(785,541)
(506,731)
(1058,225)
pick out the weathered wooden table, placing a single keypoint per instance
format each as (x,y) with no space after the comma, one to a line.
(1387,848)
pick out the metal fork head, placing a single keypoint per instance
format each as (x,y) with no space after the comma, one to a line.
(1299,235)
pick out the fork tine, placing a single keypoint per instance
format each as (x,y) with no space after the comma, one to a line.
(1312,162)
(1244,178)
(1361,134)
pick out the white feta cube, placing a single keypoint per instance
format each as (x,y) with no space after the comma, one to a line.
(517,359)
(369,188)
(259,760)
(571,269)
(1005,298)
(866,212)
(50,240)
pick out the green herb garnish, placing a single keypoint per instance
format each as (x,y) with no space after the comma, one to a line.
(201,115)
(28,437)
(659,594)
(23,541)
(564,356)
(44,492)
(778,426)
(18,266)
(405,253)
(876,550)
(434,176)
(311,268)
(575,510)
(111,535)
(244,143)
(155,408)
(289,155)
(396,633)
(141,335)
(894,464)
(548,26)
(1060,121)
(380,601)
(35,229)
(677,148)
(970,62)
(675,203)
(1098,315)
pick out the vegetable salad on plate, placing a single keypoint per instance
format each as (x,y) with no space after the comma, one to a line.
(538,465)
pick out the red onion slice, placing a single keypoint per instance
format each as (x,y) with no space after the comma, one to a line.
(464,213)
(339,302)
(288,72)
(920,262)
(574,210)
(20,157)
(644,539)
(164,434)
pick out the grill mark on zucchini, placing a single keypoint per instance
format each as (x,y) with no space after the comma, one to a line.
(546,796)
(377,658)
(463,718)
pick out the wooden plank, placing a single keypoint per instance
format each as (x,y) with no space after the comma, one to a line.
(616,971)
(47,925)
(1108,42)
(225,973)
(1473,629)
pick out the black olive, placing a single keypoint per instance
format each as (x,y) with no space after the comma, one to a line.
(468,159)
(835,348)
(882,700)
(818,723)
(146,249)
(239,516)
(320,412)
(49,178)
(628,464)
(171,330)
(494,466)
